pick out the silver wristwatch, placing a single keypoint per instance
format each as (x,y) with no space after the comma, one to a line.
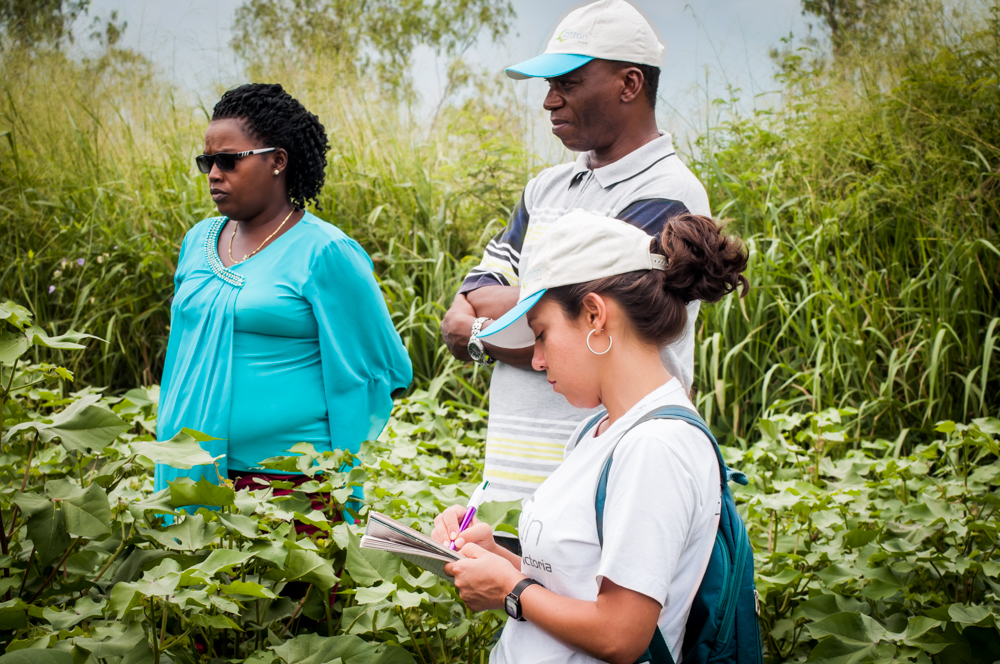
(476,349)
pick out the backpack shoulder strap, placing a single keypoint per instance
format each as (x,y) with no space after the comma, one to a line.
(666,413)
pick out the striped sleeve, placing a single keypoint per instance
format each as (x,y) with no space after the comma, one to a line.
(502,258)
(652,214)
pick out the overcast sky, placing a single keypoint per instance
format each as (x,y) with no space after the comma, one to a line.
(711,44)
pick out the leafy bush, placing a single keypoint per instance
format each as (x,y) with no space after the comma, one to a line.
(864,553)
(90,564)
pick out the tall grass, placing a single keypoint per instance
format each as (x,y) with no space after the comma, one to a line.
(868,199)
(103,172)
(870,202)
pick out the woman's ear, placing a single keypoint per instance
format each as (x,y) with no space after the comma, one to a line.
(594,311)
(279,159)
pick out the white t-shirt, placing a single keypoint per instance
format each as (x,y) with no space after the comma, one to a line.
(660,520)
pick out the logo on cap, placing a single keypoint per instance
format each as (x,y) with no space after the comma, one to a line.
(570,34)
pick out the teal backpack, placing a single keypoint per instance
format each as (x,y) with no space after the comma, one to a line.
(722,626)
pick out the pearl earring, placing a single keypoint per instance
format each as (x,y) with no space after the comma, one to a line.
(277,172)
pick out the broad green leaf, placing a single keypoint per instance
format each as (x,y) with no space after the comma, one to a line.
(191,534)
(213,622)
(407,600)
(83,609)
(918,634)
(836,650)
(316,649)
(368,566)
(86,427)
(36,656)
(314,518)
(307,566)
(117,646)
(32,503)
(15,314)
(237,588)
(124,598)
(13,614)
(835,574)
(12,346)
(89,514)
(374,595)
(160,585)
(222,559)
(854,628)
(184,491)
(182,451)
(243,525)
(68,341)
(271,552)
(965,614)
(501,516)
(392,655)
(47,530)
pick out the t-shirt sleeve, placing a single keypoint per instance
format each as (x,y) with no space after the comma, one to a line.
(363,358)
(502,257)
(657,487)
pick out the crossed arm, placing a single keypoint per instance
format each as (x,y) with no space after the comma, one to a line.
(491,302)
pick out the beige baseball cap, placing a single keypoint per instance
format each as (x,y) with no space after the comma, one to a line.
(606,29)
(579,247)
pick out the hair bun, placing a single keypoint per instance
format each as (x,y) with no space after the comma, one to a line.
(702,263)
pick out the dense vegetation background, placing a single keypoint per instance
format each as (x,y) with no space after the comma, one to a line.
(859,374)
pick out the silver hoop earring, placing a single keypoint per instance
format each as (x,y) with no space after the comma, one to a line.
(610,342)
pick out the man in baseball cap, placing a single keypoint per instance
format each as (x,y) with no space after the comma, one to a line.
(602,66)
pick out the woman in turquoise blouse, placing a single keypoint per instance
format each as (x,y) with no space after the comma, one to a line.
(279,332)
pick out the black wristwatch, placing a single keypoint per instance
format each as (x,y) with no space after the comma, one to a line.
(512,605)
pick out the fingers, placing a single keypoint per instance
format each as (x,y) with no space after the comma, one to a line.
(473,550)
(446,524)
(478,533)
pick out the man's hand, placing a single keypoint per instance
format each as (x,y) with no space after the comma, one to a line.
(491,302)
(457,326)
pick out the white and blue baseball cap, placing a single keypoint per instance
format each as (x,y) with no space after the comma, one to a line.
(579,247)
(606,29)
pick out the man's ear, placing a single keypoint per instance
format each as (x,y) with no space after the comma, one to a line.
(632,84)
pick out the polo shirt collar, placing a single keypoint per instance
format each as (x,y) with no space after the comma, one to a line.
(628,166)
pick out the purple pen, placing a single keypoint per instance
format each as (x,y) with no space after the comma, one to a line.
(470,511)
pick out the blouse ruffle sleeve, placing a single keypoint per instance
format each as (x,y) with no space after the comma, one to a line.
(364,360)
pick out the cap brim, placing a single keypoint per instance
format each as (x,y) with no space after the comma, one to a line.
(512,330)
(547,65)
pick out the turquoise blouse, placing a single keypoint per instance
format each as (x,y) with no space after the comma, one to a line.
(294,344)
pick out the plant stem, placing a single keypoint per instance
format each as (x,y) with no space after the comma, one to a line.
(296,614)
(27,465)
(110,560)
(27,570)
(55,569)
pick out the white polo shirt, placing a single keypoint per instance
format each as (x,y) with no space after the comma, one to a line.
(660,521)
(529,423)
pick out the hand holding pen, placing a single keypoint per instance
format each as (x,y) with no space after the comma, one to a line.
(450,523)
(470,511)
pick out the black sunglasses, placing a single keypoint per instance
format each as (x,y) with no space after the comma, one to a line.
(226,161)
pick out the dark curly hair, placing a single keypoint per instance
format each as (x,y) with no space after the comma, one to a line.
(274,117)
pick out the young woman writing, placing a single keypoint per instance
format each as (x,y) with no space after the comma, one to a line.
(599,300)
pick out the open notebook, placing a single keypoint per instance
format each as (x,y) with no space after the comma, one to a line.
(386,534)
